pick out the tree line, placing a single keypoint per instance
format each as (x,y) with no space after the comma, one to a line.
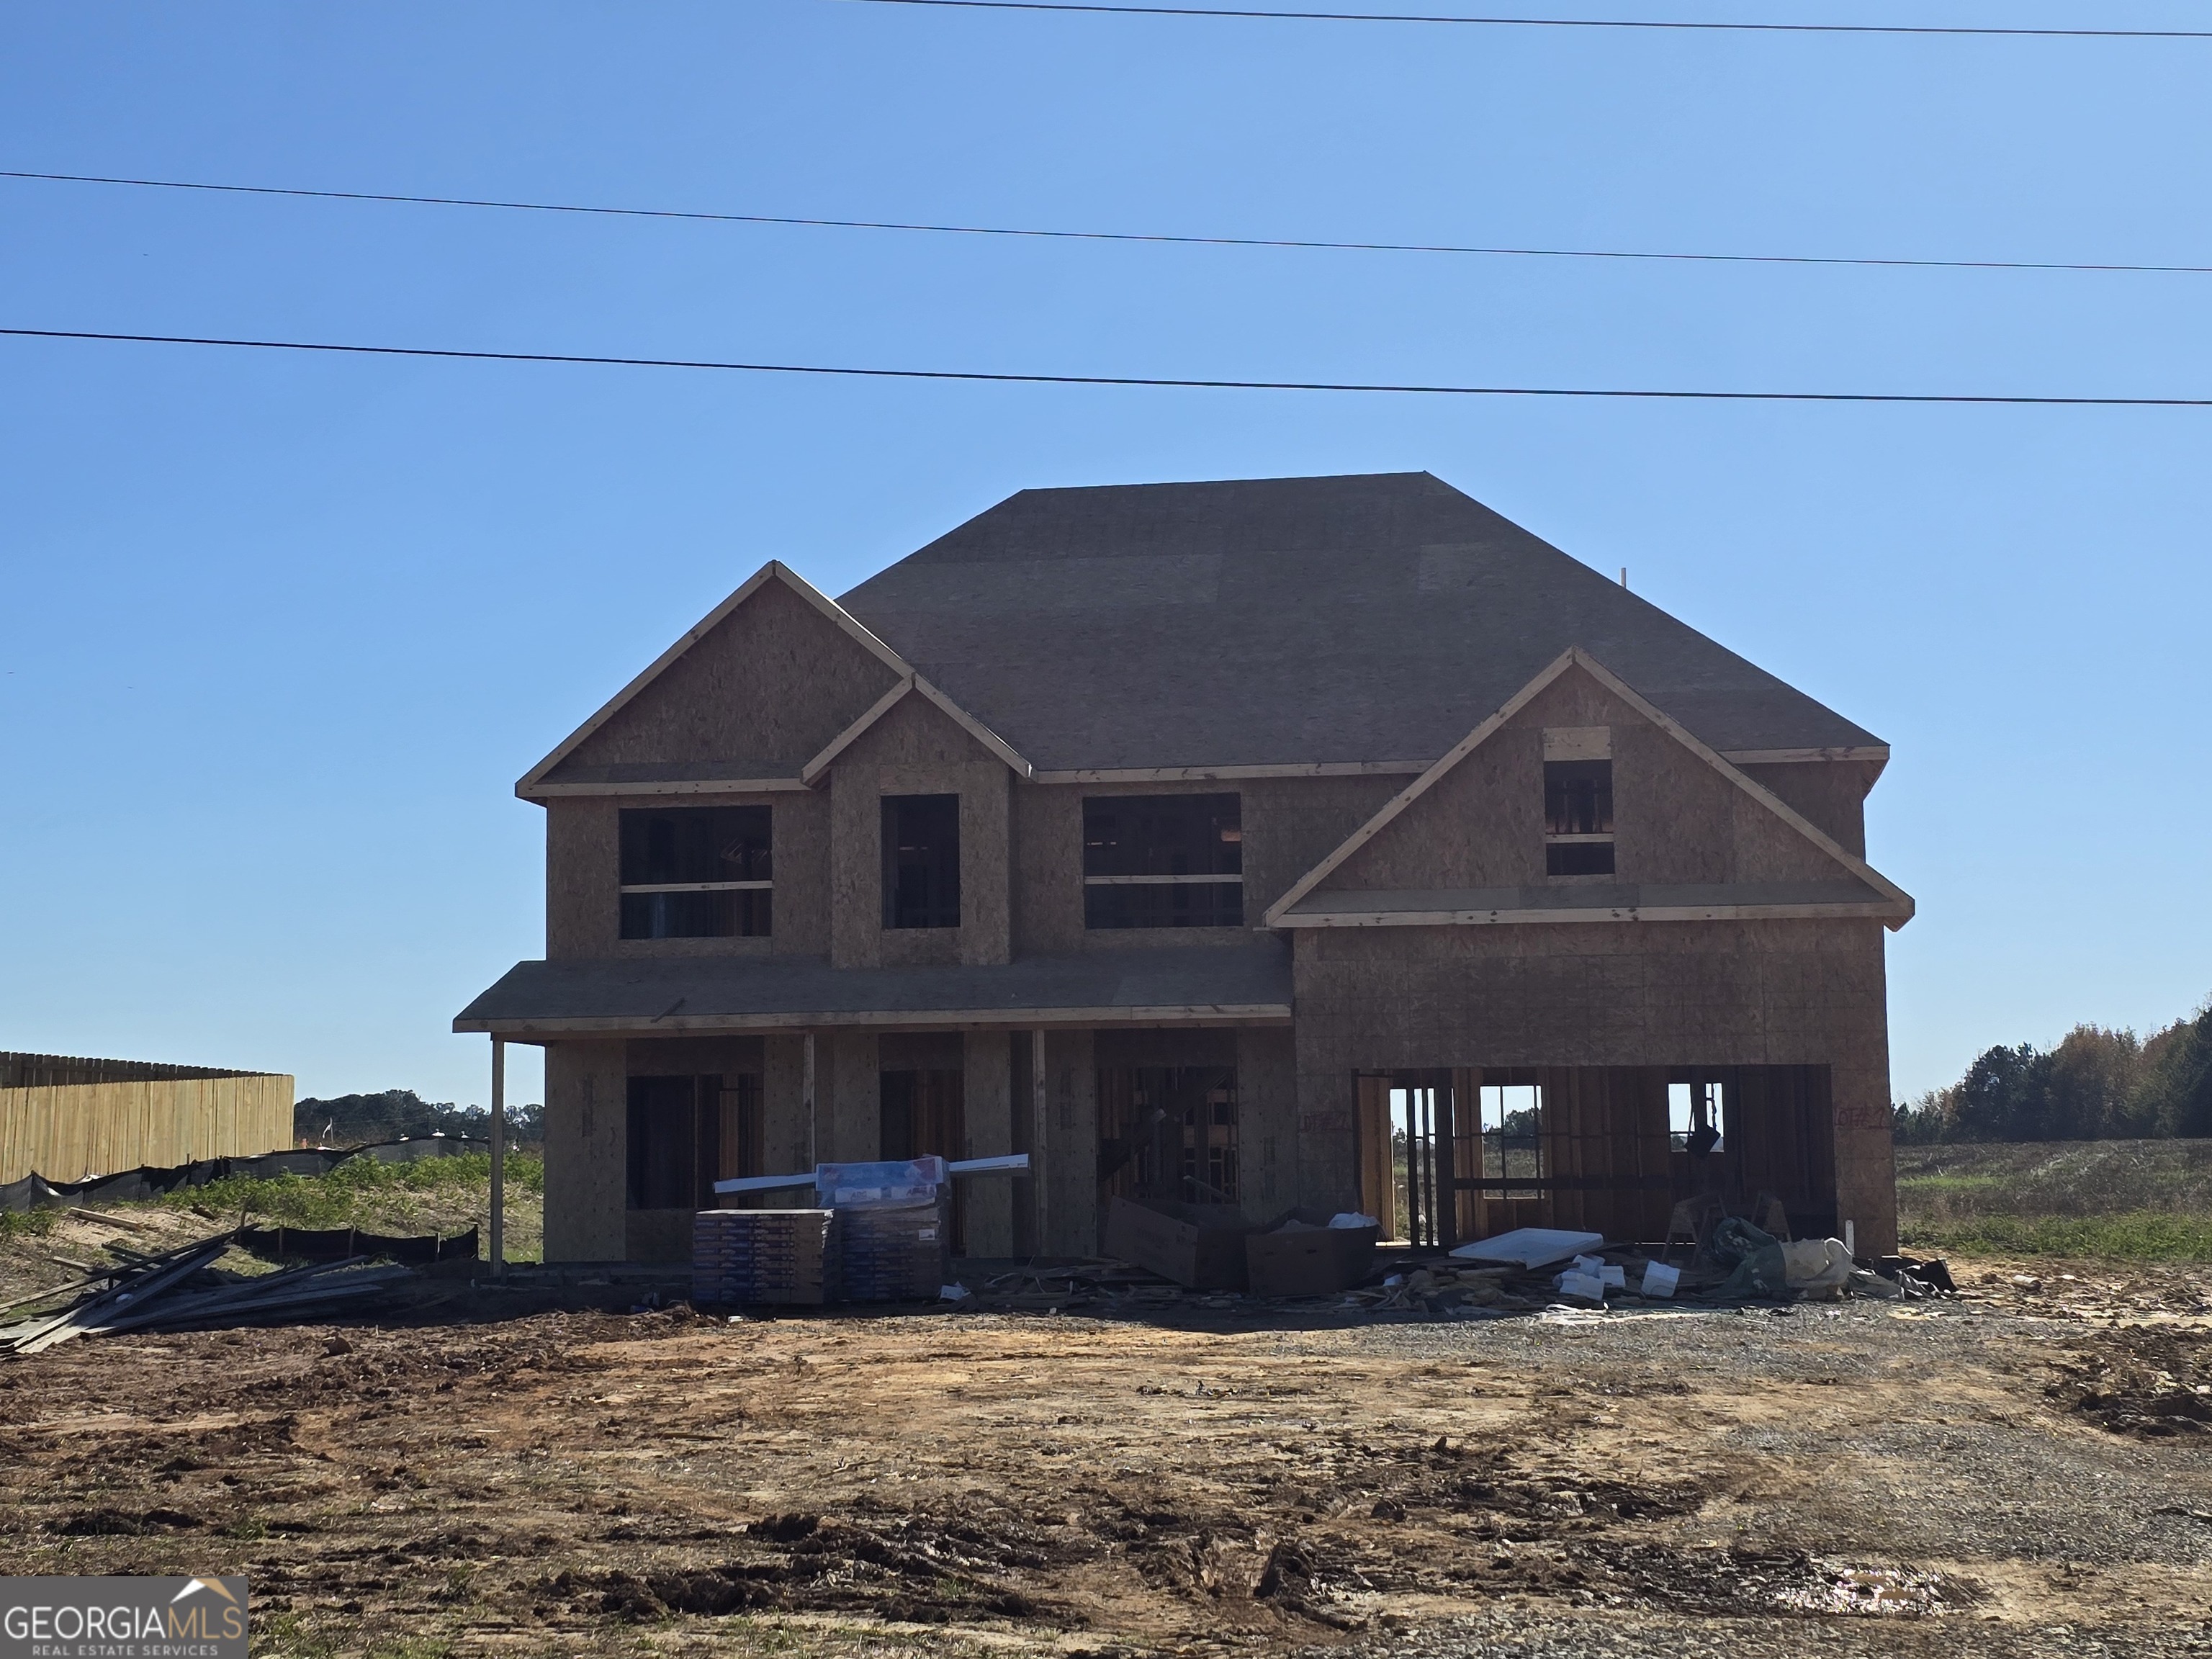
(401,1113)
(2095,1085)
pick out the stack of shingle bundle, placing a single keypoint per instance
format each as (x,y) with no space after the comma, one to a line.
(764,1255)
(897,1252)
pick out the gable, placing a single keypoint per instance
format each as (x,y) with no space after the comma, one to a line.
(1691,833)
(757,690)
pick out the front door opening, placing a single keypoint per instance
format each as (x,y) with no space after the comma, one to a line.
(1169,1133)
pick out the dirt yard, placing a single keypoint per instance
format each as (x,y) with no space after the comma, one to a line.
(2024,1471)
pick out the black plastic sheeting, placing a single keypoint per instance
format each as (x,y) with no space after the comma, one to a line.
(35,1192)
(338,1243)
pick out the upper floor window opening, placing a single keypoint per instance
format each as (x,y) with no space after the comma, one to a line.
(1578,802)
(921,860)
(695,872)
(1164,861)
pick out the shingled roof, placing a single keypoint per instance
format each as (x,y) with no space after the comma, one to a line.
(1274,622)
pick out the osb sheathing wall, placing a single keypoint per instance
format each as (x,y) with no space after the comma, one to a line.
(1669,993)
(587,1152)
(760,695)
(1831,793)
(71,1131)
(918,749)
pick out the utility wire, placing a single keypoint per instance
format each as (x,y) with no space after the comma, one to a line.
(1561,23)
(1191,384)
(1110,235)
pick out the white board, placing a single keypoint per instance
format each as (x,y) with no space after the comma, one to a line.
(1530,1247)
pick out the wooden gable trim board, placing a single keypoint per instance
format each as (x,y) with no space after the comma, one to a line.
(1865,751)
(775,570)
(1901,905)
(975,729)
(668,787)
(1229,774)
(837,745)
(1882,911)
(811,772)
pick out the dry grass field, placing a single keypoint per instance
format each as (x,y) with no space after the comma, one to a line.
(2127,1200)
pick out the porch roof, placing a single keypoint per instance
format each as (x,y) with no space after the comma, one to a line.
(1245,983)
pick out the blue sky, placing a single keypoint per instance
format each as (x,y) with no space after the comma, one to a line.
(277,634)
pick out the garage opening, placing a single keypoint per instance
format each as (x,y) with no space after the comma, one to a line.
(1448,1155)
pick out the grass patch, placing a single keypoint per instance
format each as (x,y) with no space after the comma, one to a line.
(28,1223)
(362,1192)
(2134,1235)
(1931,1184)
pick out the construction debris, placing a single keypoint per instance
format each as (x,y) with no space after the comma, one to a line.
(183,1289)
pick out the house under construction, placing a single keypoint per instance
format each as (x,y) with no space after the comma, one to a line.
(1328,841)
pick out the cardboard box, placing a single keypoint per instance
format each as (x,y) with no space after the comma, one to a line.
(1312,1259)
(1199,1246)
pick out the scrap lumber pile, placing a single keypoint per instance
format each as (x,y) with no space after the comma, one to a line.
(777,1256)
(1445,1286)
(183,1289)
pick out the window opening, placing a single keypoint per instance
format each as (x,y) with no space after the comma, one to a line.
(1162,862)
(1578,817)
(695,872)
(921,860)
(1696,1120)
(1512,1144)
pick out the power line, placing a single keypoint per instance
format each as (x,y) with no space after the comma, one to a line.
(1173,382)
(1561,23)
(1110,235)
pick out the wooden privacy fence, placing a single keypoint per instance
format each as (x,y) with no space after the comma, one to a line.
(67,1119)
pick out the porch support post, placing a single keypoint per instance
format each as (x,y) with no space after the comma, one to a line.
(806,1101)
(1040,1185)
(499,1157)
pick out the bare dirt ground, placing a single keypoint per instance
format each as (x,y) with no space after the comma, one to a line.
(2024,1471)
